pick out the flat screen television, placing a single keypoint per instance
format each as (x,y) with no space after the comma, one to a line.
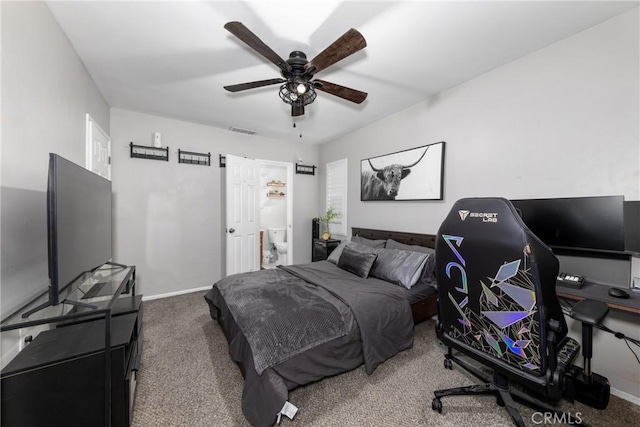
(578,222)
(78,223)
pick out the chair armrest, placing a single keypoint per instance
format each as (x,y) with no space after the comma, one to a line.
(589,311)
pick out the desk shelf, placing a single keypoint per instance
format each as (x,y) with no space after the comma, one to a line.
(600,292)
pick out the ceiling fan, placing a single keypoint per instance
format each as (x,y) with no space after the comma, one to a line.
(298,86)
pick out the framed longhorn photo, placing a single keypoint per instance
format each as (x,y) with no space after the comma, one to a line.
(413,174)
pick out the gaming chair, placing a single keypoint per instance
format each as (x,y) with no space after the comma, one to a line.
(498,306)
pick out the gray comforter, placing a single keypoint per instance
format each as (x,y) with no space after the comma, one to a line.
(375,315)
(278,318)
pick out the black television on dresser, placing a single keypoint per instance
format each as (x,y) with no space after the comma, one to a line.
(78,223)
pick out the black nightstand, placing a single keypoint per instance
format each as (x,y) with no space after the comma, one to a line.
(322,249)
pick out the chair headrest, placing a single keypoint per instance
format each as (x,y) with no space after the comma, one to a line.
(484,215)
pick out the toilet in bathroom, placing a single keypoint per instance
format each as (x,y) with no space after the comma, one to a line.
(277,238)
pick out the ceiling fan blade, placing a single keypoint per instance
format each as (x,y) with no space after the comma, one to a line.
(297,109)
(341,91)
(243,33)
(253,85)
(348,44)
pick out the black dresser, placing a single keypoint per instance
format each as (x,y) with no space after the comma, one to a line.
(322,249)
(58,379)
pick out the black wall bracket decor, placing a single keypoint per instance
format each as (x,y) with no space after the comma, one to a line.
(193,158)
(300,169)
(305,169)
(146,152)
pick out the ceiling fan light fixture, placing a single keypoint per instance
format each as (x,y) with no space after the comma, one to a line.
(301,88)
(289,94)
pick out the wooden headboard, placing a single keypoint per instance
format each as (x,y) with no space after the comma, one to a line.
(428,240)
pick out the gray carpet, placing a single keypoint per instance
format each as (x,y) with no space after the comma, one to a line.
(188,379)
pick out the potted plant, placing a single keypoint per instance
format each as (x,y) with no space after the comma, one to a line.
(329,216)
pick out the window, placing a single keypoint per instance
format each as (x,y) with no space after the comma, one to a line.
(337,195)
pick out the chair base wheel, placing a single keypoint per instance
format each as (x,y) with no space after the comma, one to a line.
(448,364)
(436,405)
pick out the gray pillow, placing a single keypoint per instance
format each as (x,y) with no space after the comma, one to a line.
(337,252)
(355,262)
(403,268)
(428,275)
(378,244)
(334,256)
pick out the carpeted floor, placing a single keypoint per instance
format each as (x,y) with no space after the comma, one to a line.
(188,379)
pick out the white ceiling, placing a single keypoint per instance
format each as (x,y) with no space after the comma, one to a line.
(172,59)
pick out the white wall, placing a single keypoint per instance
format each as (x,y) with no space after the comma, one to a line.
(560,122)
(46,92)
(168,217)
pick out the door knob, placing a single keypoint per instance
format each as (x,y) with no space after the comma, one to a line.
(232,230)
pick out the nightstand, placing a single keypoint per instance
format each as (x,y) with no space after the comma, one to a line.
(322,248)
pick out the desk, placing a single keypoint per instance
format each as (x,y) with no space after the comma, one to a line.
(597,292)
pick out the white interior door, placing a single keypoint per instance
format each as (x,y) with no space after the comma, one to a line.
(243,225)
(98,157)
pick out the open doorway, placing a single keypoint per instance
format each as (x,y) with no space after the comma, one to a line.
(275,183)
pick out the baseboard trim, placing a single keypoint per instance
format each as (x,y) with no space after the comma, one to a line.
(173,294)
(626,396)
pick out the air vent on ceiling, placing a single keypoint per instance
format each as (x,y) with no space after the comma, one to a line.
(240,130)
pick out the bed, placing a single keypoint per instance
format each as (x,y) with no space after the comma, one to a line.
(294,325)
(423,299)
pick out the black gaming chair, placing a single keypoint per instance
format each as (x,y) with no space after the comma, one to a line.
(497,305)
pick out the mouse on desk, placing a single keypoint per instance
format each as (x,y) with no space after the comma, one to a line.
(618,293)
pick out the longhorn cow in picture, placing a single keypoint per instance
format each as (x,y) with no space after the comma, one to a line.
(383,182)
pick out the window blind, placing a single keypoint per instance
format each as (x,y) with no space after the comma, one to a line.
(337,195)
